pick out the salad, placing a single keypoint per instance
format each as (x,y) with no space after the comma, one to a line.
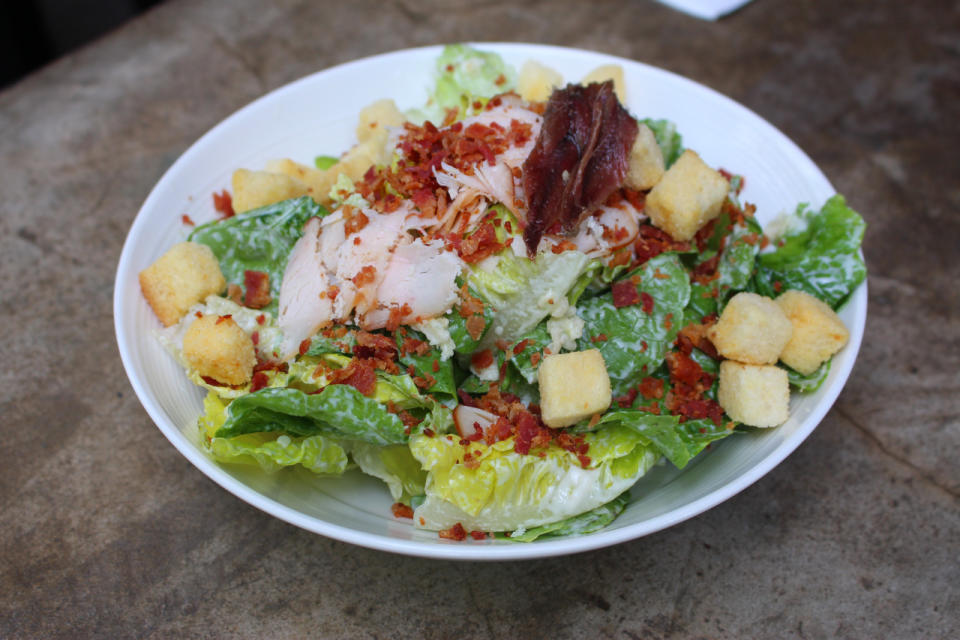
(508,304)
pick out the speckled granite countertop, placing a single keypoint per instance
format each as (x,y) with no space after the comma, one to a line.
(108,532)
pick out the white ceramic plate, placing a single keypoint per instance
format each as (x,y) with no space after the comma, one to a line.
(316,115)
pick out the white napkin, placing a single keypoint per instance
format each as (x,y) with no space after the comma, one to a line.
(706,9)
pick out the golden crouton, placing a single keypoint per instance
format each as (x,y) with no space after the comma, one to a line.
(646,160)
(818,332)
(756,395)
(378,116)
(179,279)
(609,72)
(318,181)
(252,189)
(216,347)
(536,82)
(573,386)
(751,329)
(688,196)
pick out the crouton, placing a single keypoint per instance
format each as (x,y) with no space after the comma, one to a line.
(378,116)
(536,82)
(751,329)
(216,347)
(573,386)
(609,72)
(688,196)
(818,332)
(318,181)
(252,189)
(646,160)
(180,278)
(756,395)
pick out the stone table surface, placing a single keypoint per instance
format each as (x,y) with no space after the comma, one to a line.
(108,532)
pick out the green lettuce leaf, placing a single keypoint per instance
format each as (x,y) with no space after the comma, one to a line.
(259,240)
(807,383)
(502,490)
(585,523)
(636,341)
(338,410)
(395,465)
(519,289)
(464,76)
(428,364)
(821,257)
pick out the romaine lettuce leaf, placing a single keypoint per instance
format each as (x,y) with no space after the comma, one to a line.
(431,364)
(338,410)
(259,240)
(501,490)
(633,342)
(520,289)
(395,465)
(807,383)
(822,258)
(269,451)
(464,76)
(585,523)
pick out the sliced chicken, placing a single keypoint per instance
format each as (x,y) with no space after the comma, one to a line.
(419,275)
(305,306)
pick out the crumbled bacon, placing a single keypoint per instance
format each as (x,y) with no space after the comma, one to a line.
(359,374)
(367,275)
(475,325)
(695,335)
(652,241)
(187,220)
(375,346)
(259,381)
(456,532)
(647,301)
(257,284)
(625,294)
(481,359)
(401,510)
(651,388)
(354,220)
(235,293)
(397,314)
(479,245)
(223,203)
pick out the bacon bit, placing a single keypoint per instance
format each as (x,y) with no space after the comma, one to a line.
(436,366)
(479,245)
(469,303)
(647,302)
(259,381)
(535,358)
(367,275)
(660,275)
(257,284)
(584,461)
(359,374)
(501,344)
(424,382)
(396,316)
(429,432)
(235,293)
(695,335)
(482,359)
(185,219)
(563,245)
(375,346)
(478,535)
(643,345)
(304,347)
(652,241)
(223,318)
(271,365)
(501,79)
(401,510)
(777,286)
(223,203)
(651,388)
(198,314)
(668,321)
(625,294)
(456,532)
(627,400)
(410,345)
(255,338)
(354,220)
(475,326)
(261,319)
(520,346)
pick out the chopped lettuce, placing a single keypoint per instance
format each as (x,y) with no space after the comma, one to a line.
(821,257)
(524,291)
(807,383)
(501,490)
(633,342)
(258,240)
(579,525)
(395,465)
(464,76)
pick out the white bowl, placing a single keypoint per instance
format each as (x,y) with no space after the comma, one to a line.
(316,115)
